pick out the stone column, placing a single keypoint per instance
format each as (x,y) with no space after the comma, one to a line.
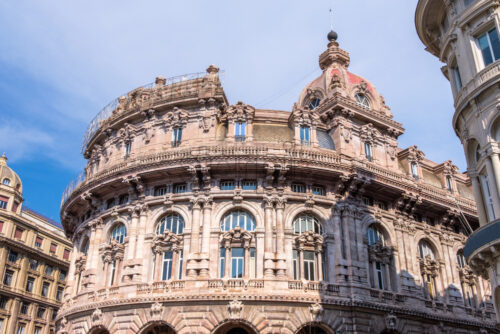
(301,262)
(70,281)
(158,266)
(493,186)
(97,241)
(331,262)
(387,267)
(476,187)
(319,259)
(132,235)
(338,245)
(246,269)
(268,238)
(14,311)
(280,238)
(195,230)
(495,160)
(92,246)
(207,222)
(141,252)
(346,219)
(175,261)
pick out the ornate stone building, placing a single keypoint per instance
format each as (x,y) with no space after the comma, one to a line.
(464,35)
(197,216)
(34,262)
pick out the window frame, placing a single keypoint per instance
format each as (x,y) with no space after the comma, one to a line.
(118,233)
(305,135)
(362,100)
(240,129)
(486,34)
(176,136)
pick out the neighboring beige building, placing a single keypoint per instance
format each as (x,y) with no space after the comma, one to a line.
(464,34)
(197,216)
(34,262)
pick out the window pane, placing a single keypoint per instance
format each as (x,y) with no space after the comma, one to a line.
(495,43)
(485,49)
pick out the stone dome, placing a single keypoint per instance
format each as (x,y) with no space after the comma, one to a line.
(337,82)
(8,177)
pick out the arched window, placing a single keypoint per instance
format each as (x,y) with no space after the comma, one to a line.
(428,268)
(425,250)
(173,223)
(238,218)
(118,233)
(314,103)
(375,235)
(380,259)
(308,261)
(461,259)
(85,246)
(237,257)
(6,182)
(305,223)
(362,100)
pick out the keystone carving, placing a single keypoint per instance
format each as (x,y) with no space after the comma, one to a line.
(316,310)
(96,317)
(235,307)
(156,311)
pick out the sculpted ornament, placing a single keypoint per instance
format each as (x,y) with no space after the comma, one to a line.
(156,311)
(175,118)
(303,116)
(239,112)
(316,310)
(96,317)
(235,306)
(368,133)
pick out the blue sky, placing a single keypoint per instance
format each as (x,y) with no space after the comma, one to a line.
(62,61)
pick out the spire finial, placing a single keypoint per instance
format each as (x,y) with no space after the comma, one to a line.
(3,160)
(332,35)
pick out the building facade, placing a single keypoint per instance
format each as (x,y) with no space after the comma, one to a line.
(34,262)
(464,34)
(197,216)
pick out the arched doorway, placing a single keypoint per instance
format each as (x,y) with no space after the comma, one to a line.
(312,329)
(158,328)
(235,328)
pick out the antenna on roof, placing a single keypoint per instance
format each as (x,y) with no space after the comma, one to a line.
(331,18)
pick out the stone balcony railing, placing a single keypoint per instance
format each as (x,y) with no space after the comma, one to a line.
(291,155)
(489,72)
(227,289)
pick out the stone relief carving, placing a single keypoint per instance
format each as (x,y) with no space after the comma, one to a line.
(235,307)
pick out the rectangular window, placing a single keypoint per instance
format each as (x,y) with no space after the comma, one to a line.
(222,262)
(3,302)
(252,263)
(239,131)
(66,254)
(41,312)
(112,275)
(368,151)
(53,248)
(298,188)
(309,267)
(227,185)
(30,283)
(128,148)
(1,226)
(457,78)
(18,234)
(237,262)
(368,201)
(160,190)
(449,184)
(382,205)
(318,190)
(380,275)
(48,270)
(249,185)
(295,265)
(62,275)
(305,135)
(176,137)
(490,46)
(24,308)
(123,199)
(38,330)
(167,266)
(3,202)
(15,206)
(110,203)
(38,242)
(179,267)
(7,277)
(13,256)
(180,188)
(59,293)
(414,170)
(21,329)
(33,264)
(45,289)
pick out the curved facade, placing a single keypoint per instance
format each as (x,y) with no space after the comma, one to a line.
(197,216)
(464,35)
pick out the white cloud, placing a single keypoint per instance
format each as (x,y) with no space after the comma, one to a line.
(19,142)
